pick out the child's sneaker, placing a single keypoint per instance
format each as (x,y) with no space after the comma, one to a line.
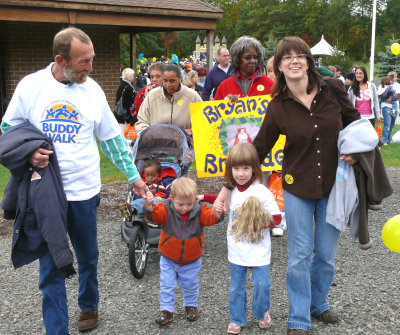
(233,328)
(192,313)
(123,208)
(277,231)
(126,209)
(266,321)
(164,317)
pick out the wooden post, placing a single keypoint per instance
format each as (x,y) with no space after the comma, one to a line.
(133,55)
(210,48)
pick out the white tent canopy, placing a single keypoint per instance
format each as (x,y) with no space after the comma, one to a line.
(324,48)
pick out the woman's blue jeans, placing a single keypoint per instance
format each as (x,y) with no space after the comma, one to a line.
(311,265)
(388,124)
(82,230)
(238,295)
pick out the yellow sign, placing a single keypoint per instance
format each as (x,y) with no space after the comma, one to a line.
(218,125)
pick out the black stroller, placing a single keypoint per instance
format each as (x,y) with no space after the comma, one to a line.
(167,144)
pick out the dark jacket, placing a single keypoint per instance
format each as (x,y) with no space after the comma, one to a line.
(127,99)
(41,206)
(213,79)
(373,186)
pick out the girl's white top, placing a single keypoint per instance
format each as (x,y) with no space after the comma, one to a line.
(246,253)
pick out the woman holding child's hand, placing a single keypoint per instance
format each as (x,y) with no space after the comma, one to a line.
(304,110)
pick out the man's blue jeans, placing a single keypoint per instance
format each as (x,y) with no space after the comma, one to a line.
(170,274)
(388,124)
(238,295)
(311,266)
(82,230)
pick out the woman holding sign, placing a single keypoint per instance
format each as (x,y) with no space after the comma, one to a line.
(247,55)
(305,111)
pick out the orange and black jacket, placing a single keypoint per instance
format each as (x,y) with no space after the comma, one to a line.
(181,242)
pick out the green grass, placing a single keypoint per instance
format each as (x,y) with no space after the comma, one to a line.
(391,152)
(109,173)
(4,175)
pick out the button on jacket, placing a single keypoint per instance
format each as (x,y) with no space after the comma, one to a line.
(310,152)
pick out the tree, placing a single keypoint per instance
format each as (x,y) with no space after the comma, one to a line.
(270,46)
(388,61)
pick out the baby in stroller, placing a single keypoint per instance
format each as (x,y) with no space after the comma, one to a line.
(158,181)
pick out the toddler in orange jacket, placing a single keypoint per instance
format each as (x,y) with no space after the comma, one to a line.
(181,245)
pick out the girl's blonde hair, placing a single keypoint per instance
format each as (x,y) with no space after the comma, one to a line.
(243,154)
(250,221)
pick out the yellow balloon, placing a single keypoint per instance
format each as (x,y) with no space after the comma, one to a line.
(391,233)
(395,47)
(154,59)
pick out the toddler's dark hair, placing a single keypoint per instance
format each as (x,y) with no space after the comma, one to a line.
(152,162)
(386,81)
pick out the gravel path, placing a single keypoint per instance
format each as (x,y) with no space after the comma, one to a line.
(365,293)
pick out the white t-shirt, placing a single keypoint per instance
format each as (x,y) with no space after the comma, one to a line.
(242,252)
(72,116)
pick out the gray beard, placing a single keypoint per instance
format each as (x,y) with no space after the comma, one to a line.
(71,76)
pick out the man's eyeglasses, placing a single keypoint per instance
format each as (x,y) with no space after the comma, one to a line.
(257,57)
(290,58)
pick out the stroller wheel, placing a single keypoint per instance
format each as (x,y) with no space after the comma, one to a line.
(138,252)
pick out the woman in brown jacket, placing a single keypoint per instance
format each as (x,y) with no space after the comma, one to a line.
(306,112)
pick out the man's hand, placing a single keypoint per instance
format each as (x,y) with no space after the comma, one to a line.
(40,158)
(140,188)
(149,201)
(348,159)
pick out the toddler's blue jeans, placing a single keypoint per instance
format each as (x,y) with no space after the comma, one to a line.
(186,275)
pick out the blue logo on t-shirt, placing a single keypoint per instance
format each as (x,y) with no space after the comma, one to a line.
(61,122)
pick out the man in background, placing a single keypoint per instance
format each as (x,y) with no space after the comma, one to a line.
(220,71)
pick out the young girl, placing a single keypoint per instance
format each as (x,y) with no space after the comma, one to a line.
(252,211)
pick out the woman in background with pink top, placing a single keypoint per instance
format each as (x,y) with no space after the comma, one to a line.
(364,97)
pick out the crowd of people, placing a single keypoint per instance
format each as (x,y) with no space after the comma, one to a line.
(310,109)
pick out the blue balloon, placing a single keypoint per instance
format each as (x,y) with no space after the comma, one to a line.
(141,56)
